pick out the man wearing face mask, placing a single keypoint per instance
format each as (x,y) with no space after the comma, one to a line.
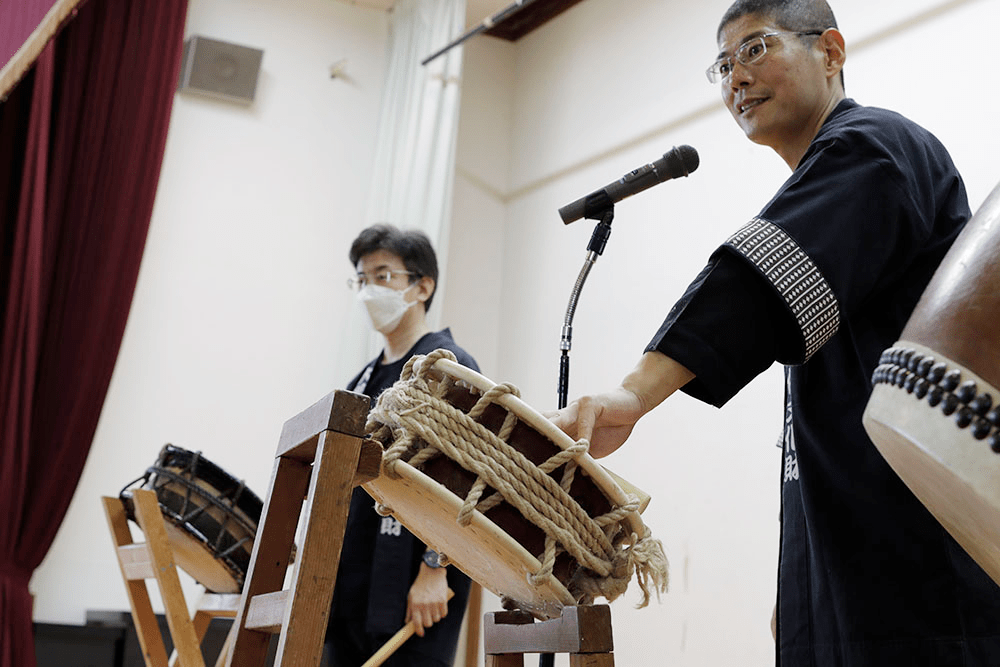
(387,577)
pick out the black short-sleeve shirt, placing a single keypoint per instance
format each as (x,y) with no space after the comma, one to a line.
(823,279)
(380,558)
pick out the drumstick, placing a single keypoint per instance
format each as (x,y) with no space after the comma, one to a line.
(395,641)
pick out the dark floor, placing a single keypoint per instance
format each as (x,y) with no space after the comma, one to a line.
(109,640)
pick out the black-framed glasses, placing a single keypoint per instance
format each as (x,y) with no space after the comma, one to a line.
(382,277)
(750,52)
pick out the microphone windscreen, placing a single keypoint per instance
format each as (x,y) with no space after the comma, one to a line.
(681,161)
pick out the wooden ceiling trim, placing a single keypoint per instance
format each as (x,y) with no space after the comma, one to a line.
(528,18)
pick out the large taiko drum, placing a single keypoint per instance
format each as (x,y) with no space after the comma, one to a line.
(934,412)
(211,517)
(504,495)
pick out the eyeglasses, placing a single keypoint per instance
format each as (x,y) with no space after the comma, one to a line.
(382,277)
(749,53)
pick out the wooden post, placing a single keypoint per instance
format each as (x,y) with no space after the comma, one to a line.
(320,458)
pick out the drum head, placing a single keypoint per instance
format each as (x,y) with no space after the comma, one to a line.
(951,468)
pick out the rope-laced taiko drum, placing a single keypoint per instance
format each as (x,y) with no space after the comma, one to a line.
(506,496)
(210,516)
(934,410)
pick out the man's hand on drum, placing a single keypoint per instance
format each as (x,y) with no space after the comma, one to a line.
(607,419)
(427,602)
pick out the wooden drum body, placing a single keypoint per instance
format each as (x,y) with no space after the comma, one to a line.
(211,517)
(933,413)
(504,495)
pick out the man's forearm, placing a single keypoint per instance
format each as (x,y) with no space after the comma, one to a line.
(654,378)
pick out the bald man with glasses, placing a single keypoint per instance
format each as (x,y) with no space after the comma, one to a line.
(822,279)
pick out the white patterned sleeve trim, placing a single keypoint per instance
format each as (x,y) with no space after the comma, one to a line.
(796,278)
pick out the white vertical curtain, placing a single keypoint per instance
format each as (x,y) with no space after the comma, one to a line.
(414,162)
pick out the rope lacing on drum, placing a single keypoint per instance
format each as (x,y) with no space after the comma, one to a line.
(164,478)
(191,473)
(158,477)
(422,424)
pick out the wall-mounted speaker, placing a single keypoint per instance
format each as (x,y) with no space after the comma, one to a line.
(220,69)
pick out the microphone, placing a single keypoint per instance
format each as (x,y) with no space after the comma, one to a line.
(680,161)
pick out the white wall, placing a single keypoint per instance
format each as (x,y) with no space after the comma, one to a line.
(240,304)
(472,282)
(240,312)
(600,90)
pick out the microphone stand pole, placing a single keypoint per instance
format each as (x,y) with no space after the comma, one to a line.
(598,207)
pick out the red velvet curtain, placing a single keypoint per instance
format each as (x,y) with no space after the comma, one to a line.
(82,137)
(17,21)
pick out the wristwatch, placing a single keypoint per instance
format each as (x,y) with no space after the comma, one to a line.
(432,559)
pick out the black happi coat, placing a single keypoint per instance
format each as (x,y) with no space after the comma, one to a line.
(380,558)
(823,280)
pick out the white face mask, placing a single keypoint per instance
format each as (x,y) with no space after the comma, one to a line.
(385,305)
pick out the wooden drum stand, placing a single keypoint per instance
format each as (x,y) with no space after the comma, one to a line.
(321,457)
(154,559)
(583,632)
